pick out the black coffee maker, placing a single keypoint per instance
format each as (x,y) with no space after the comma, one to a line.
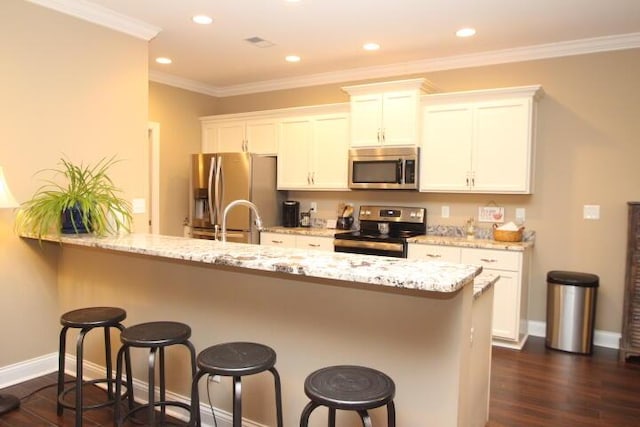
(290,213)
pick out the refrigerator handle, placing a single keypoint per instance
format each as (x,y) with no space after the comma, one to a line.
(218,190)
(210,199)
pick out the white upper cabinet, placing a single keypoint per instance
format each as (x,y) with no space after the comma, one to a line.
(313,152)
(250,135)
(479,141)
(385,113)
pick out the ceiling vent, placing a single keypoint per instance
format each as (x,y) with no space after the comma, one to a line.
(259,42)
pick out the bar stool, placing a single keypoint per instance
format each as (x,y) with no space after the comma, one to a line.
(353,388)
(235,359)
(155,336)
(86,319)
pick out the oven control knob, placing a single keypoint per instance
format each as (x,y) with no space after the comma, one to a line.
(367,213)
(412,214)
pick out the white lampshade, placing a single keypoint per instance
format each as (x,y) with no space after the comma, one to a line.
(6,198)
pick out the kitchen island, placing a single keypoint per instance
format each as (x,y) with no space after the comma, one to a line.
(418,321)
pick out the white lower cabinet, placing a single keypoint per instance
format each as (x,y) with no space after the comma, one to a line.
(296,241)
(434,253)
(277,239)
(509,326)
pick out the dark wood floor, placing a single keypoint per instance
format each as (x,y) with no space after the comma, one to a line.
(534,387)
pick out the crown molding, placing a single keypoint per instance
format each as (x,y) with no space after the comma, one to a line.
(101,16)
(528,53)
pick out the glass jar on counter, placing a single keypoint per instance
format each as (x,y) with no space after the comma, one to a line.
(305,219)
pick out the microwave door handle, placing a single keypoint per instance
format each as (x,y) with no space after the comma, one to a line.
(399,179)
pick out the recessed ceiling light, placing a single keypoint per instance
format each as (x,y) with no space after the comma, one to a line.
(292,58)
(371,46)
(202,19)
(466,32)
(163,60)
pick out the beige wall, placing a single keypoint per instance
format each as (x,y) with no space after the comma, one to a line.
(587,153)
(68,87)
(177,111)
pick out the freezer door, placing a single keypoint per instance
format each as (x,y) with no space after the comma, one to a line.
(234,183)
(202,208)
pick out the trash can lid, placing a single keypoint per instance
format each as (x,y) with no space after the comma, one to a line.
(573,278)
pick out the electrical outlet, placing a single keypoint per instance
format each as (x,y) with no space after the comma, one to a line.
(138,206)
(445,212)
(313,207)
(214,378)
(520,215)
(591,212)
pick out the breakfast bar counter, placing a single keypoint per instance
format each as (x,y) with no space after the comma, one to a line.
(417,321)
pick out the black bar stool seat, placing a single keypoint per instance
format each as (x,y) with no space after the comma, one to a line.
(236,359)
(88,319)
(352,388)
(155,336)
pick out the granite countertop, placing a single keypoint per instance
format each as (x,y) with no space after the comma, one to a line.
(471,243)
(428,239)
(431,276)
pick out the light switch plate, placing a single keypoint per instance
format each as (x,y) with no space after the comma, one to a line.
(591,212)
(520,215)
(138,206)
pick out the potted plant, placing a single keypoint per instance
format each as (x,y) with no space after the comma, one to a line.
(77,199)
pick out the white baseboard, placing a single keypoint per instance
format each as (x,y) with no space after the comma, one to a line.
(29,369)
(600,338)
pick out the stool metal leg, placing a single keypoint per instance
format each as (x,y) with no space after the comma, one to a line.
(61,362)
(195,400)
(163,386)
(391,414)
(237,402)
(276,379)
(332,417)
(364,416)
(79,374)
(152,386)
(306,412)
(107,358)
(116,407)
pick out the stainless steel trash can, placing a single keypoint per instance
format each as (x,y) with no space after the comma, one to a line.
(571,310)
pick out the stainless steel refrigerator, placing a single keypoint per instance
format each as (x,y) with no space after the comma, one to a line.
(220,178)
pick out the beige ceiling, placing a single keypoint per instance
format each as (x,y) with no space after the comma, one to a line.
(415,35)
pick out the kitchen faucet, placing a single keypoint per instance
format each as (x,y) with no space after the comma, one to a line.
(247,203)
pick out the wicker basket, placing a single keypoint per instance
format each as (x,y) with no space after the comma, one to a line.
(507,235)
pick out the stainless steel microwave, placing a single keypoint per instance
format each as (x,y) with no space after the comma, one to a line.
(385,168)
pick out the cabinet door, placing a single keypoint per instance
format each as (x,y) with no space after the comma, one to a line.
(434,252)
(315,243)
(445,158)
(277,239)
(366,120)
(294,153)
(506,305)
(400,112)
(229,137)
(502,146)
(330,152)
(262,136)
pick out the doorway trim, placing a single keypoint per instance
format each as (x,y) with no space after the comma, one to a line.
(154,176)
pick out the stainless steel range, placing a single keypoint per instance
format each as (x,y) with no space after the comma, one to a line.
(384,230)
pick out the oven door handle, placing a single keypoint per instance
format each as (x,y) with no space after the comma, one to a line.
(359,244)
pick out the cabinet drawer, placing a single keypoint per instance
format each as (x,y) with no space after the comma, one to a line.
(311,242)
(493,259)
(277,239)
(434,253)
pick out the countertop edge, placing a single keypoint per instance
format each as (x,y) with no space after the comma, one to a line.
(419,275)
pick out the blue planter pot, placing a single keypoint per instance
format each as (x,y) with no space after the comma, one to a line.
(71,217)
